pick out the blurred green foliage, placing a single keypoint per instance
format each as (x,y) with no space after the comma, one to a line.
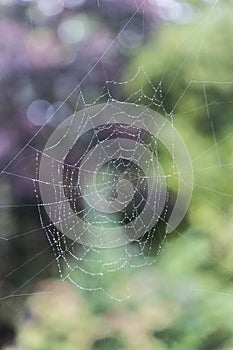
(185,300)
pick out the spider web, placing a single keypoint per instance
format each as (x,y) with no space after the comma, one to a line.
(96,262)
(78,261)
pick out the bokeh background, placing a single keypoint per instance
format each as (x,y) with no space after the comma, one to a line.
(49,48)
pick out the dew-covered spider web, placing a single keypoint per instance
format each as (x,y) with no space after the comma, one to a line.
(107,177)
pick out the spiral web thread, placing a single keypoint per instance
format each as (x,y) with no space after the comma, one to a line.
(75,259)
